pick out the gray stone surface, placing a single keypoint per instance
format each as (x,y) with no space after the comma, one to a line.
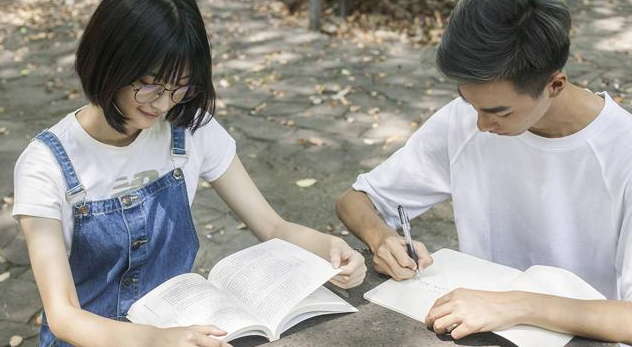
(279,92)
(27,331)
(19,301)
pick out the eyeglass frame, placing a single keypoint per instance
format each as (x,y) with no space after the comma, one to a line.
(137,89)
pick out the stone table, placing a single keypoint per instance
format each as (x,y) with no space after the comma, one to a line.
(374,325)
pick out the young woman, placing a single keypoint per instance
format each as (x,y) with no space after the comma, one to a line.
(104,196)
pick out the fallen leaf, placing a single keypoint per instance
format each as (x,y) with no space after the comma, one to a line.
(315,100)
(38,320)
(4,276)
(258,109)
(16,340)
(209,226)
(355,108)
(241,226)
(205,184)
(368,141)
(258,68)
(373,111)
(344,233)
(224,83)
(305,183)
(320,88)
(316,141)
(8,200)
(330,227)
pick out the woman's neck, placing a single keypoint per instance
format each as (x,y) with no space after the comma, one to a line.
(92,120)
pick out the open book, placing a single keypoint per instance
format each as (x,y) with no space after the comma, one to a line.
(452,269)
(262,290)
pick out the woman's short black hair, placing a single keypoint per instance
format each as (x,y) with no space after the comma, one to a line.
(128,39)
(521,41)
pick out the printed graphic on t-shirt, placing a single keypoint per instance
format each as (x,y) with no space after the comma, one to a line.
(125,184)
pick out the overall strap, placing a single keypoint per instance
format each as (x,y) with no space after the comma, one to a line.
(178,142)
(73,184)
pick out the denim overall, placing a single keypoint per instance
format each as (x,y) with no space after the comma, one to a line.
(124,247)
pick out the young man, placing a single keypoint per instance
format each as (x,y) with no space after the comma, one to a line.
(538,169)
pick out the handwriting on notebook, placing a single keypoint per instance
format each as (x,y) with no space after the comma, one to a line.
(433,288)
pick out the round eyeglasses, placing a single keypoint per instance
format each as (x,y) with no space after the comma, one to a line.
(146,93)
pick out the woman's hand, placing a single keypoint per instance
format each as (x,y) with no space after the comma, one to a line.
(192,336)
(349,261)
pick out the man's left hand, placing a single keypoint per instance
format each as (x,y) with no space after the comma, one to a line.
(466,311)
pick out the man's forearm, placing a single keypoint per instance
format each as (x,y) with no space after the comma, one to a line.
(356,211)
(607,320)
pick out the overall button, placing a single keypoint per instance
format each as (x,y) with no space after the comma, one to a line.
(136,244)
(129,199)
(83,209)
(129,280)
(177,174)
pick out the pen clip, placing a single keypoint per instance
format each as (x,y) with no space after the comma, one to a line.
(403,217)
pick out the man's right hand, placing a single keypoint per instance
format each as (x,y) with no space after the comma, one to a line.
(391,258)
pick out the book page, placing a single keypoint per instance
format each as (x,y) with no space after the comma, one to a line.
(552,281)
(190,299)
(450,270)
(322,301)
(271,278)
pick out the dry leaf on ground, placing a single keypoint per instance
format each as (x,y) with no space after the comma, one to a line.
(305,183)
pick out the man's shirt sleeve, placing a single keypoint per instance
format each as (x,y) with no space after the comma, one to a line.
(417,176)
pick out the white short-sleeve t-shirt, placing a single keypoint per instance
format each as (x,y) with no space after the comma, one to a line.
(108,171)
(522,200)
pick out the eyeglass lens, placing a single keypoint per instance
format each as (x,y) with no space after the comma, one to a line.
(151,92)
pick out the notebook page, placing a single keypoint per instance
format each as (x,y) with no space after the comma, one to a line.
(553,281)
(450,270)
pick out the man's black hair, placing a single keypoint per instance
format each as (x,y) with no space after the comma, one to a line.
(128,39)
(521,41)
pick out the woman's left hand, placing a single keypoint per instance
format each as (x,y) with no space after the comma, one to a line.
(466,311)
(349,261)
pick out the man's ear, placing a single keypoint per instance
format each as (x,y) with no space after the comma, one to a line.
(556,84)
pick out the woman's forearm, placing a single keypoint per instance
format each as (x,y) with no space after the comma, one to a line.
(85,329)
(314,241)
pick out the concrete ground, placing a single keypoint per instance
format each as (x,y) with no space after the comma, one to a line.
(300,105)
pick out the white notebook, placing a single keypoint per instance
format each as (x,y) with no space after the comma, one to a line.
(452,269)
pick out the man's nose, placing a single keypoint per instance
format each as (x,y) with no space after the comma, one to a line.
(485,122)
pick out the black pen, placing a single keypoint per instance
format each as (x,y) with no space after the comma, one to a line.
(405,222)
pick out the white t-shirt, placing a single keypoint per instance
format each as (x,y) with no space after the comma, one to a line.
(108,171)
(522,200)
